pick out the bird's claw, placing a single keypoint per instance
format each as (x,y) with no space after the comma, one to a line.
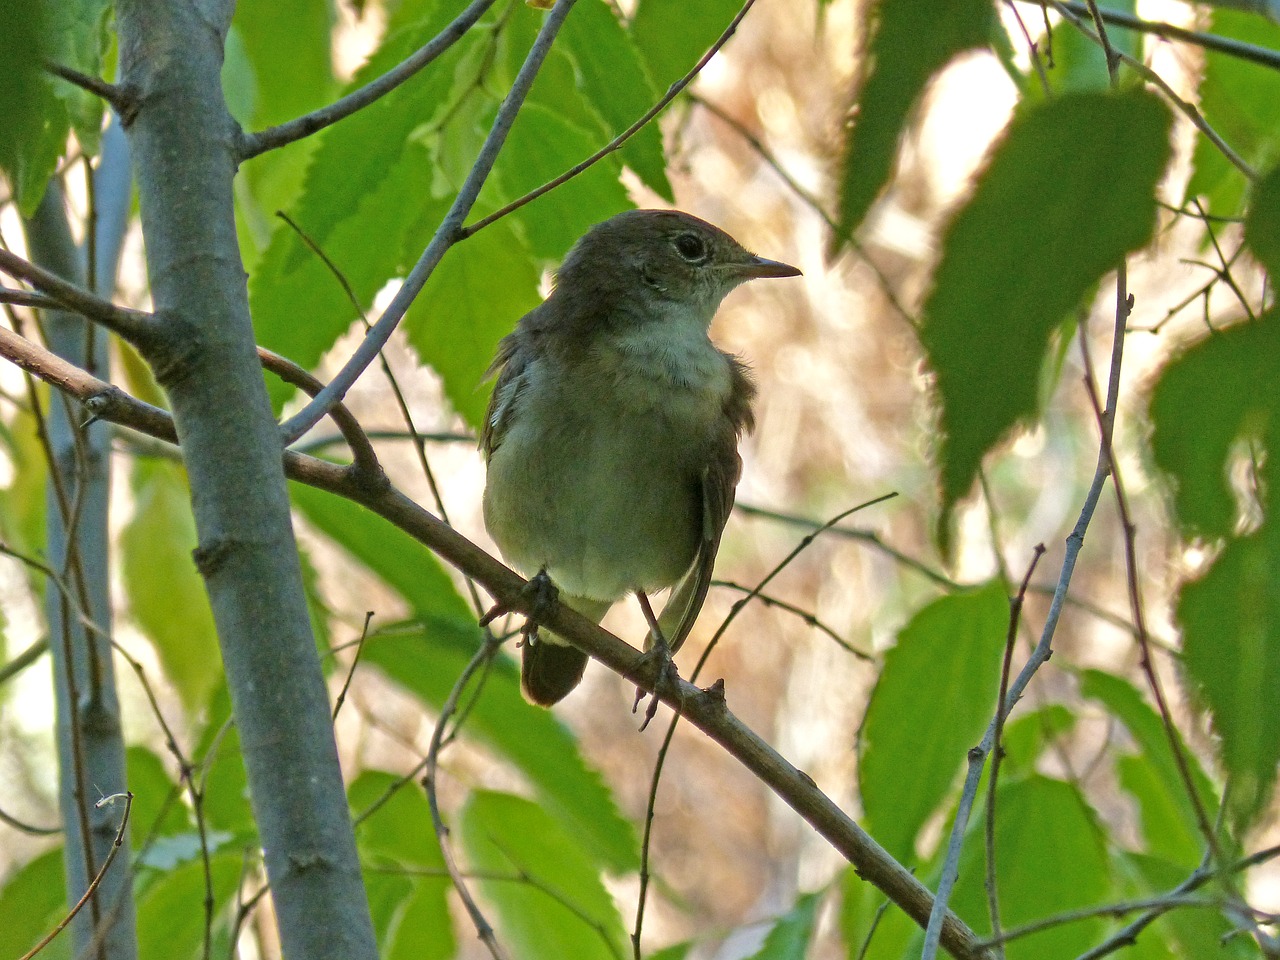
(541,595)
(657,659)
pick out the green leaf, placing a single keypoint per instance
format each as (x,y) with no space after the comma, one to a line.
(33,899)
(299,305)
(288,52)
(677,951)
(166,595)
(23,503)
(789,937)
(1210,404)
(156,810)
(1231,655)
(34,122)
(539,148)
(532,739)
(935,696)
(1262,225)
(80,38)
(1241,101)
(418,924)
(1059,204)
(1169,823)
(226,788)
(612,77)
(356,155)
(672,35)
(404,564)
(1050,858)
(912,41)
(1028,734)
(562,910)
(474,298)
(1078,64)
(170,918)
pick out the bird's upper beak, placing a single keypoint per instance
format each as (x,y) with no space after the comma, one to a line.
(758,268)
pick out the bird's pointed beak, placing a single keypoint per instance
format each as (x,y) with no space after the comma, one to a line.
(758,268)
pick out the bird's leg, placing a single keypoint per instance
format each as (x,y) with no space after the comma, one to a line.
(542,595)
(659,653)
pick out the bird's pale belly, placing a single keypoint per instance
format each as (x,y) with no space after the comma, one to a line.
(606,503)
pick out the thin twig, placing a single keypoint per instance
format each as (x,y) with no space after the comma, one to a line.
(355,661)
(448,233)
(93,884)
(253,144)
(616,143)
(809,618)
(1015,614)
(132,325)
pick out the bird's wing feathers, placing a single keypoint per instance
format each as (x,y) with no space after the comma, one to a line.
(719,481)
(509,364)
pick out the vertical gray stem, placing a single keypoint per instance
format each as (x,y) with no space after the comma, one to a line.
(90,747)
(201,349)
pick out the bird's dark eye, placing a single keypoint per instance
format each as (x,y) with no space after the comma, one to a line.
(691,247)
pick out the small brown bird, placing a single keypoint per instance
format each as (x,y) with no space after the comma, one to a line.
(612,434)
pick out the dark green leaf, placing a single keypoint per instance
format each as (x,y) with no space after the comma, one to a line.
(287,49)
(540,147)
(1169,822)
(673,35)
(612,77)
(34,122)
(473,299)
(1231,654)
(912,40)
(78,29)
(34,898)
(396,833)
(563,910)
(1050,857)
(1067,192)
(1262,226)
(789,937)
(299,305)
(1209,405)
(406,565)
(1074,62)
(935,696)
(166,595)
(170,918)
(530,738)
(1241,101)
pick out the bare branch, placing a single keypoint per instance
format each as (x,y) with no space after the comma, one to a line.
(253,144)
(132,325)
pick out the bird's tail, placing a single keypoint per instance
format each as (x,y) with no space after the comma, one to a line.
(549,666)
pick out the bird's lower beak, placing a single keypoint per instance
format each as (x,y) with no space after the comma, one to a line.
(758,268)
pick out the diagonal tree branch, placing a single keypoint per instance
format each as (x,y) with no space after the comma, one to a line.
(448,233)
(253,144)
(706,709)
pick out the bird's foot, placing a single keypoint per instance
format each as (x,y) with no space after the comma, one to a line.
(657,661)
(540,594)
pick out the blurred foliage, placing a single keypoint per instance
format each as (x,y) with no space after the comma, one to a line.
(1068,190)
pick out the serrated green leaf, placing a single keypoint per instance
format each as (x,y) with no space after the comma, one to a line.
(530,738)
(540,147)
(612,77)
(299,306)
(1169,823)
(510,835)
(1219,394)
(1056,207)
(935,696)
(473,299)
(406,565)
(156,809)
(34,122)
(1050,857)
(1241,102)
(672,35)
(166,595)
(789,937)
(356,155)
(1231,655)
(1262,225)
(288,50)
(33,898)
(170,916)
(912,40)
(417,922)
